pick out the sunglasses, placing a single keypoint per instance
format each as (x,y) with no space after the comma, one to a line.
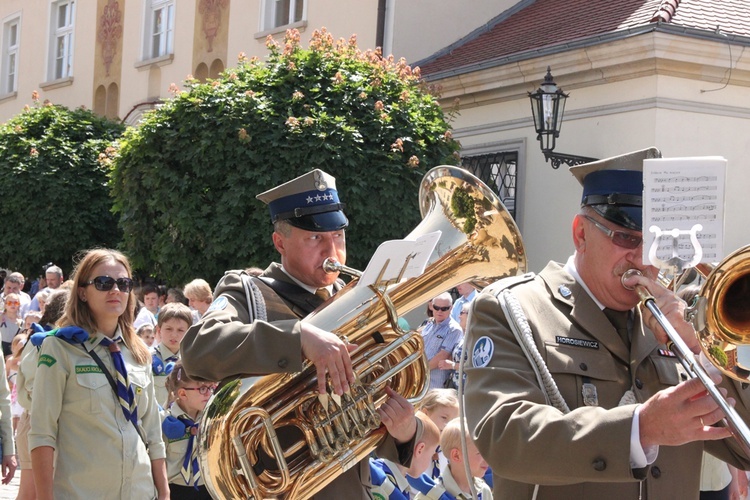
(202,390)
(438,308)
(12,303)
(105,284)
(619,238)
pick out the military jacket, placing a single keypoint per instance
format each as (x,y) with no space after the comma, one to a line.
(585,453)
(226,344)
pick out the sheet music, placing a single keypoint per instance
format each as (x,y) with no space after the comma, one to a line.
(395,253)
(679,193)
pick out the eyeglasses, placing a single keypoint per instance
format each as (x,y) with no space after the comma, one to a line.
(105,284)
(202,390)
(12,303)
(619,238)
(438,308)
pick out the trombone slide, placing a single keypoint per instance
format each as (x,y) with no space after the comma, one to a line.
(732,420)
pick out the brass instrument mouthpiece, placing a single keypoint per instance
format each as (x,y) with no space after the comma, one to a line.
(627,274)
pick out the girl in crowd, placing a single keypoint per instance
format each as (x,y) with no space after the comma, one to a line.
(187,399)
(10,321)
(93,400)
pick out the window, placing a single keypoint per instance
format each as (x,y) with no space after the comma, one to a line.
(159,29)
(63,22)
(282,12)
(499,172)
(11,39)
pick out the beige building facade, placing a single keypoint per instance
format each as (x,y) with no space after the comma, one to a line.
(681,89)
(119,57)
(644,81)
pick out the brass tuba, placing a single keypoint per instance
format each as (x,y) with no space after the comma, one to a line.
(274,436)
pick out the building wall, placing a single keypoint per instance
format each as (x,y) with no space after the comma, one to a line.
(655,92)
(138,81)
(419,28)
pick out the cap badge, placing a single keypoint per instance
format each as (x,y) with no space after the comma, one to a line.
(320,182)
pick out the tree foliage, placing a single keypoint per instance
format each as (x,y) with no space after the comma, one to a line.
(53,186)
(185,181)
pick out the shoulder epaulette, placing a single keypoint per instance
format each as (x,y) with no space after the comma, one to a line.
(509,282)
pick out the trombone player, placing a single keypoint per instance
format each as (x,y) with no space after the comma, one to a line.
(235,337)
(590,403)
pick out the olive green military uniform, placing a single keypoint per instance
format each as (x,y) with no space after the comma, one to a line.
(75,411)
(585,453)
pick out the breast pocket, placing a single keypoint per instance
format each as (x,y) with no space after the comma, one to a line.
(94,387)
(587,376)
(142,387)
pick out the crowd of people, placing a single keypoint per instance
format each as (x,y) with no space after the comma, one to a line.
(569,389)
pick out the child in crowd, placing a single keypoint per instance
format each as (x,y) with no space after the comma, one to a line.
(25,385)
(391,480)
(30,318)
(174,321)
(146,334)
(441,405)
(187,398)
(453,483)
(11,366)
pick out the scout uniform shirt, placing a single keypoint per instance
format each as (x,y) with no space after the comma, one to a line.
(445,488)
(6,425)
(160,379)
(387,481)
(76,412)
(177,447)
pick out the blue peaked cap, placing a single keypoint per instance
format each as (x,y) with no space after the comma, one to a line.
(613,187)
(310,202)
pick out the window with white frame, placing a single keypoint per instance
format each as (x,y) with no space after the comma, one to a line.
(61,44)
(278,13)
(9,70)
(159,28)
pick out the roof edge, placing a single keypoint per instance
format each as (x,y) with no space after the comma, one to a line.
(589,42)
(477,32)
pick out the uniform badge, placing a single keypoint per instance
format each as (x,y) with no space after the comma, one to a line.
(46,360)
(219,304)
(565,291)
(667,353)
(590,398)
(482,352)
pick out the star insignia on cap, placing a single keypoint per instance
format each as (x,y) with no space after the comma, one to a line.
(309,199)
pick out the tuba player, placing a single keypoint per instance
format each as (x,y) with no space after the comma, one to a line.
(235,338)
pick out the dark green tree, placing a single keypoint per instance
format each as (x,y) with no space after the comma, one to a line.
(53,186)
(185,180)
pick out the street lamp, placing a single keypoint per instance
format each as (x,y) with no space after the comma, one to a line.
(547,108)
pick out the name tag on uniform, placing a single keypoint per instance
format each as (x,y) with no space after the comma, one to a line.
(589,344)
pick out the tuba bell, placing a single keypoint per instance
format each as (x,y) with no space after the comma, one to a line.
(274,436)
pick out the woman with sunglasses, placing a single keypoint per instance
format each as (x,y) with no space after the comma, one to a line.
(93,401)
(10,321)
(187,399)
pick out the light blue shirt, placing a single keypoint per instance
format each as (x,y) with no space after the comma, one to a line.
(440,337)
(459,304)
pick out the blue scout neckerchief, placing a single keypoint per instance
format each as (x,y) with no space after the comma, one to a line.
(384,479)
(175,428)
